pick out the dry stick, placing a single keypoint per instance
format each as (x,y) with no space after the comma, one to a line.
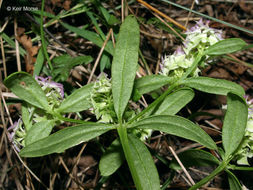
(4,26)
(70,52)
(240,61)
(99,55)
(181,37)
(71,176)
(52,180)
(153,35)
(3,57)
(182,166)
(9,95)
(189,14)
(1,1)
(122,10)
(161,14)
(17,45)
(158,63)
(11,122)
(78,158)
(113,40)
(6,108)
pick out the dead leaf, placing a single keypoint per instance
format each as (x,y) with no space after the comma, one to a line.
(66,4)
(31,50)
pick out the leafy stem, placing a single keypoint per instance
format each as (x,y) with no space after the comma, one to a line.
(156,102)
(122,131)
(170,89)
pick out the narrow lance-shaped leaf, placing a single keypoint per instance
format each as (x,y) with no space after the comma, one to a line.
(234,183)
(175,101)
(144,164)
(226,46)
(151,82)
(112,159)
(124,64)
(64,139)
(235,123)
(77,101)
(179,126)
(213,86)
(91,36)
(26,87)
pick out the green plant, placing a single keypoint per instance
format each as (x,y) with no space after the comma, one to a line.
(110,103)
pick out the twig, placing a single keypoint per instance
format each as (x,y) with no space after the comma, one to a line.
(181,37)
(78,158)
(52,36)
(161,14)
(189,14)
(181,165)
(99,55)
(3,57)
(1,1)
(158,63)
(122,10)
(17,45)
(4,26)
(70,174)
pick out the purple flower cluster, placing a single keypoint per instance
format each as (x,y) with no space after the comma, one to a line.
(198,39)
(16,134)
(47,83)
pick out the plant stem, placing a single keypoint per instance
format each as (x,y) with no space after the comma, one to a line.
(244,168)
(192,67)
(219,169)
(122,131)
(177,83)
(42,36)
(153,104)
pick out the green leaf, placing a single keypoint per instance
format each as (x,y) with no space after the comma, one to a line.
(91,36)
(179,126)
(235,122)
(213,86)
(124,64)
(39,131)
(79,100)
(234,183)
(105,61)
(226,46)
(95,23)
(112,159)
(146,171)
(64,139)
(151,82)
(12,44)
(191,158)
(26,87)
(175,101)
(26,116)
(64,63)
(39,63)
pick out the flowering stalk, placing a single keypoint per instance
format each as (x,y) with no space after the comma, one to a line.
(54,93)
(198,39)
(103,108)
